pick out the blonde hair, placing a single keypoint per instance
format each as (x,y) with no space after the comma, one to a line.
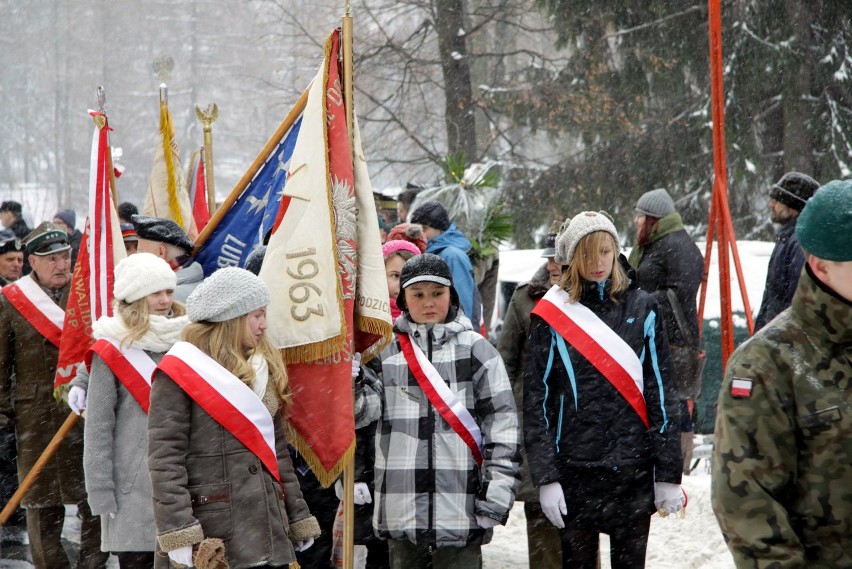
(137,317)
(223,341)
(587,254)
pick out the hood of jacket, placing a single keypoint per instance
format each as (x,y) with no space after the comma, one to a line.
(452,237)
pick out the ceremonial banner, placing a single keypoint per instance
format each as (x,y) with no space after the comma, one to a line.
(167,196)
(325,274)
(246,217)
(196,183)
(92,281)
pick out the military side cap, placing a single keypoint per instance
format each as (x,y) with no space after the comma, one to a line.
(162,230)
(46,239)
(9,243)
(823,227)
(550,243)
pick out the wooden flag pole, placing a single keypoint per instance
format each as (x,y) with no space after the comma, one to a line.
(39,465)
(349,469)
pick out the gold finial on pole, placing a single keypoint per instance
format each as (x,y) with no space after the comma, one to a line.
(207,118)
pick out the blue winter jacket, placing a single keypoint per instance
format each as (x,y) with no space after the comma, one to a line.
(782,276)
(452,246)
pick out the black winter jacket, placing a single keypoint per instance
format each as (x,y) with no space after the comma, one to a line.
(597,446)
(673,261)
(782,276)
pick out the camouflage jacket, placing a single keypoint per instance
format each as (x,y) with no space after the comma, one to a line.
(782,466)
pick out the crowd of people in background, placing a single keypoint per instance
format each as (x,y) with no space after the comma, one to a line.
(582,410)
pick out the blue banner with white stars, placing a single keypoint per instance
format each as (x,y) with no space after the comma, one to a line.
(252,215)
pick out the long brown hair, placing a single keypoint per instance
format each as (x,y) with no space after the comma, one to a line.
(587,254)
(223,341)
(137,317)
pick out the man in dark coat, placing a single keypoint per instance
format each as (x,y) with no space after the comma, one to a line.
(666,258)
(544,544)
(31,310)
(66,220)
(11,218)
(787,198)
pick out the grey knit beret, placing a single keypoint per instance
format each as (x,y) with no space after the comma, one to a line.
(581,225)
(656,203)
(226,294)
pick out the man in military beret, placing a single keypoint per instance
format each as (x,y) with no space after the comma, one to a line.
(11,257)
(31,319)
(782,463)
(165,239)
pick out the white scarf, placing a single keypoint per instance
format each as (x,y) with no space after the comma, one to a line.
(261,375)
(163,332)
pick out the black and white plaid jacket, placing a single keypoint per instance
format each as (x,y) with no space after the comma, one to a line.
(428,488)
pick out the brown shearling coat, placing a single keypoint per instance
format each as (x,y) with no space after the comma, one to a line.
(191,455)
(27,370)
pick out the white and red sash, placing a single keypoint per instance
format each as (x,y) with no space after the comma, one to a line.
(598,343)
(132,366)
(224,397)
(37,307)
(441,396)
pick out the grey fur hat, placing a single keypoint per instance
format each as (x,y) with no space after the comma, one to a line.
(226,294)
(581,225)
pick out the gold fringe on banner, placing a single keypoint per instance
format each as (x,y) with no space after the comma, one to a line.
(325,477)
(377,327)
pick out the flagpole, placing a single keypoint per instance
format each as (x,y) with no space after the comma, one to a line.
(349,469)
(110,168)
(216,218)
(207,118)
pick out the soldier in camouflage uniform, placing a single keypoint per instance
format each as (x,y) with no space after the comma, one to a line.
(782,466)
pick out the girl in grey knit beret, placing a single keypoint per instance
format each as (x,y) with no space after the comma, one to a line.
(210,467)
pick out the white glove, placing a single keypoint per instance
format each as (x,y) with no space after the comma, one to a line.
(485,522)
(303,545)
(356,364)
(362,493)
(182,555)
(668,498)
(552,500)
(77,399)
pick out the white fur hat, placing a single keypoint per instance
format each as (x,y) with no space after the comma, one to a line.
(226,294)
(142,274)
(581,225)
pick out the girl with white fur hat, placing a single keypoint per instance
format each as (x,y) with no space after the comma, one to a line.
(128,345)
(600,410)
(225,492)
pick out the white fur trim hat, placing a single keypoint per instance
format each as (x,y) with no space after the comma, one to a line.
(581,225)
(226,294)
(142,274)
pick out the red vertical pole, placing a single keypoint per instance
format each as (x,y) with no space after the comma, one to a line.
(720,179)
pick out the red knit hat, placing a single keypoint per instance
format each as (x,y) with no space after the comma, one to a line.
(411,232)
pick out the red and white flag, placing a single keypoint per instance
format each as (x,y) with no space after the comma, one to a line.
(325,274)
(196,183)
(92,282)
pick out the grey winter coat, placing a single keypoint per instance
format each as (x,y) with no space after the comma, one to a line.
(115,459)
(428,487)
(206,483)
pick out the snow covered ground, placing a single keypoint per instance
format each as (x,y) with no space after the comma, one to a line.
(692,542)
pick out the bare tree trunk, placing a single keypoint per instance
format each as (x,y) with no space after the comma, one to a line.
(796,88)
(455,64)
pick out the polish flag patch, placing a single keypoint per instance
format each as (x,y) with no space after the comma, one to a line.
(741,388)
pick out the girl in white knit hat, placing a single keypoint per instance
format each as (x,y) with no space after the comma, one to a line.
(146,323)
(600,411)
(223,481)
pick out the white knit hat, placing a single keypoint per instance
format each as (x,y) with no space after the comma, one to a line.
(142,274)
(226,294)
(581,225)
